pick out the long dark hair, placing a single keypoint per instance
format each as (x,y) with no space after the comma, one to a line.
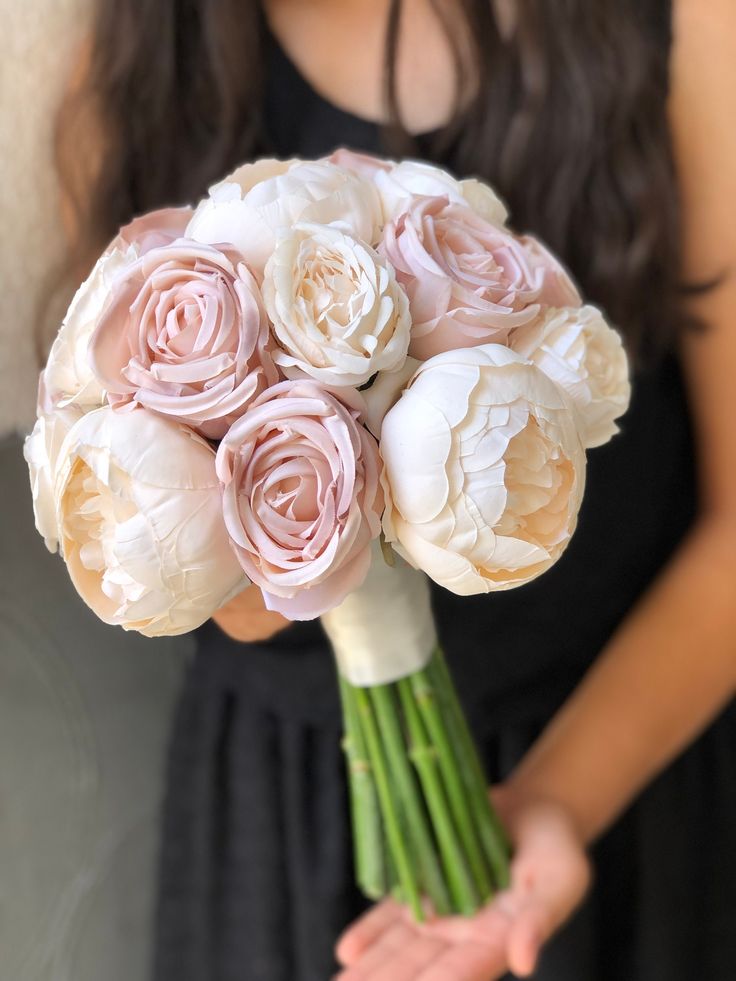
(567,120)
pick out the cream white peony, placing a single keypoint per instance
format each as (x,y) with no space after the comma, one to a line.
(257,202)
(140,522)
(585,356)
(384,393)
(411,178)
(483,470)
(399,183)
(67,389)
(68,378)
(335,306)
(41,451)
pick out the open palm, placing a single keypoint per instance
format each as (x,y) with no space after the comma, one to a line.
(549,877)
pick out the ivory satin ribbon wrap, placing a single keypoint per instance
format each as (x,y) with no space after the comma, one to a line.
(384,630)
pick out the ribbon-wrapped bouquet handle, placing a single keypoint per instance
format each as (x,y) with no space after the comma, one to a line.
(397,597)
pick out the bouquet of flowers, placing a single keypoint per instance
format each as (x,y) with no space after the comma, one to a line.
(331,381)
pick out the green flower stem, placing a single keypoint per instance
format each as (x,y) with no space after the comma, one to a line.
(387,715)
(392,879)
(493,835)
(424,686)
(369,849)
(424,756)
(392,823)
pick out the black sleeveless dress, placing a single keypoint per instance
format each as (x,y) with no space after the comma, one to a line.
(256,878)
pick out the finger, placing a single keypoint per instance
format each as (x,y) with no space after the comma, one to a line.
(527,934)
(467,962)
(386,947)
(365,931)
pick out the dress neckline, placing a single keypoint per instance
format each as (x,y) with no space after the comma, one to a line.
(284,62)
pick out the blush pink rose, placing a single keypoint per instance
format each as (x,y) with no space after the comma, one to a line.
(185,335)
(469,282)
(301,496)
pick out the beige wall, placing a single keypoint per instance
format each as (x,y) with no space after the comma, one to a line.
(39,41)
(85,709)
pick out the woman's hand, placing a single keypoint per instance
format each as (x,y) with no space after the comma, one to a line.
(246,618)
(549,877)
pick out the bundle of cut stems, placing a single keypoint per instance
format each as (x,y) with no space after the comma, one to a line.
(424,829)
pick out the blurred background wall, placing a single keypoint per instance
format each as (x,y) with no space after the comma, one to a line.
(84,708)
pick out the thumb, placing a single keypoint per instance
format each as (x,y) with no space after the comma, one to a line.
(527,933)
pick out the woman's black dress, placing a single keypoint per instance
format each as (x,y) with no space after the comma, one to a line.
(256,878)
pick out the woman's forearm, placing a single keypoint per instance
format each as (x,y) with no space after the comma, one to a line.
(667,672)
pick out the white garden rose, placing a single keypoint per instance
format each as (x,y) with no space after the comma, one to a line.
(336,309)
(483,470)
(257,202)
(585,356)
(140,522)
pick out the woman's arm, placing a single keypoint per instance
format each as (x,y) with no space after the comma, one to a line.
(672,665)
(246,618)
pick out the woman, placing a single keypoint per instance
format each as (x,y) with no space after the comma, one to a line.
(581,687)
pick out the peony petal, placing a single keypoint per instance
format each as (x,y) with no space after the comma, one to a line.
(415,445)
